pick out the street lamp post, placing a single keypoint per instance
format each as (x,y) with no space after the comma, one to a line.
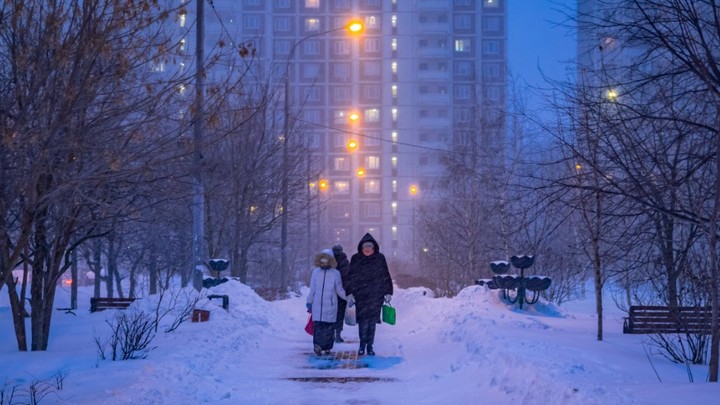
(352,27)
(198,199)
(413,192)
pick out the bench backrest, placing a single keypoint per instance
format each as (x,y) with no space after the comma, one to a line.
(663,319)
(100,303)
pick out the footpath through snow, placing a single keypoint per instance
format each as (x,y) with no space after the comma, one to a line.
(470,349)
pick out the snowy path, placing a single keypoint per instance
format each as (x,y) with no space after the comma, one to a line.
(470,349)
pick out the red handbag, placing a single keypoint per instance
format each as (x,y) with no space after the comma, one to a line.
(309,326)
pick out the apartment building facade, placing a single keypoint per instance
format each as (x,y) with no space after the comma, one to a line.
(377,109)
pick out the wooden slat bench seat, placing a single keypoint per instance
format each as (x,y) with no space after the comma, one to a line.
(664,319)
(101,304)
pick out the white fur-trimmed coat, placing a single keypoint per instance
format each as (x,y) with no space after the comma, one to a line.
(325,287)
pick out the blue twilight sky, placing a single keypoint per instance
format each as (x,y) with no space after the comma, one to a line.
(537,41)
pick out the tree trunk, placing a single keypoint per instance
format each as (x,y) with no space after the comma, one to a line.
(153,270)
(597,263)
(713,229)
(111,268)
(96,266)
(18,315)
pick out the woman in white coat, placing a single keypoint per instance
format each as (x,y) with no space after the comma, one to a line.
(322,301)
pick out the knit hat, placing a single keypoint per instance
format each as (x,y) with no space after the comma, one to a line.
(337,249)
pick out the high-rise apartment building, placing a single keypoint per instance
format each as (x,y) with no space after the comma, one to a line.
(400,89)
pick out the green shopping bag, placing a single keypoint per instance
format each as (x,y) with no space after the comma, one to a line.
(388,314)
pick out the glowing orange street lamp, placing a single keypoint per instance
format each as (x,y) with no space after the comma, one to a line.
(352,145)
(413,189)
(323,184)
(355,26)
(360,172)
(354,116)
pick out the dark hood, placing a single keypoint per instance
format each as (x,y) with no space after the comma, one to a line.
(368,238)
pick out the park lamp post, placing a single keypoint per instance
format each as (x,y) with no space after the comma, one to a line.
(353,27)
(413,191)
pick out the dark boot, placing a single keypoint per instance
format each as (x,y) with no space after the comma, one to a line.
(338,338)
(361,350)
(370,350)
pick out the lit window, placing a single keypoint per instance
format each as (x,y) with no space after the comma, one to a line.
(394,161)
(393,208)
(393,66)
(373,162)
(372,186)
(394,186)
(183,18)
(341,187)
(393,44)
(158,67)
(182,44)
(312,24)
(394,136)
(393,90)
(312,3)
(393,20)
(490,3)
(462,45)
(371,21)
(394,114)
(372,115)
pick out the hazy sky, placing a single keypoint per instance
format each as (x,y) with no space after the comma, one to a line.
(536,42)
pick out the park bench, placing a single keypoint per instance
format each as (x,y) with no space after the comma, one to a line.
(665,319)
(225,299)
(101,304)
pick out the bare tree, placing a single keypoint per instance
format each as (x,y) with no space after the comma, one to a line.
(653,125)
(86,114)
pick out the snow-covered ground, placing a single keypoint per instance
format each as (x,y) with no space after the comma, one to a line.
(470,349)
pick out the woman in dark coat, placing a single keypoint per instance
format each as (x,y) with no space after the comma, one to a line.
(343,264)
(370,284)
